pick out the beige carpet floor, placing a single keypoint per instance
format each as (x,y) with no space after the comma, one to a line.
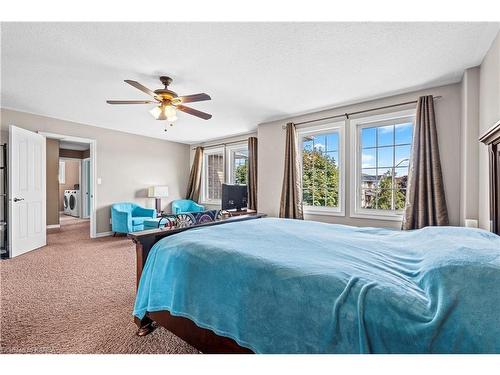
(75,295)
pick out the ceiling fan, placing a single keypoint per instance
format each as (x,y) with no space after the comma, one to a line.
(167,101)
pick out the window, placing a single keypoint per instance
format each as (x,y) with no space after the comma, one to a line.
(238,164)
(383,150)
(223,165)
(322,172)
(213,175)
(62,172)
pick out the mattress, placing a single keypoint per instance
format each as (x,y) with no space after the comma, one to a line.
(290,286)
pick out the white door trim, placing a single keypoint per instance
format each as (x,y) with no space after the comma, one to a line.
(83,188)
(93,172)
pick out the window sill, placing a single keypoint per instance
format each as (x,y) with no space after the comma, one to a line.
(323,211)
(377,216)
(211,203)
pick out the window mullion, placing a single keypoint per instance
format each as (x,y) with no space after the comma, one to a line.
(393,206)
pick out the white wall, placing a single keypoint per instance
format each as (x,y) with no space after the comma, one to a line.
(469,198)
(489,114)
(127,164)
(272,145)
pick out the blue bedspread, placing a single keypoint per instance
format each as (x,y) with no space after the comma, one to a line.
(287,286)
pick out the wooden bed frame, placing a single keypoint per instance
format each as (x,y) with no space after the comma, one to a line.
(202,339)
(492,139)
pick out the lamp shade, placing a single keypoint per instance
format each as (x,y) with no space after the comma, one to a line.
(158,192)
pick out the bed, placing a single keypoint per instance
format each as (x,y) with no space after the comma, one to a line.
(288,286)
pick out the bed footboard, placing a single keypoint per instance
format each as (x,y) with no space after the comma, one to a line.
(203,339)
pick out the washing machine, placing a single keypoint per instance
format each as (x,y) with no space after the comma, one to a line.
(67,194)
(74,202)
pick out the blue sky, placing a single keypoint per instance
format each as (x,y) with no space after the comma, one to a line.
(385,146)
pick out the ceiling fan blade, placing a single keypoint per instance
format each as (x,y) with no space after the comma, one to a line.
(194,112)
(138,86)
(194,98)
(131,102)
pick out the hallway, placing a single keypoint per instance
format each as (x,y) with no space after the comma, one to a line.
(75,295)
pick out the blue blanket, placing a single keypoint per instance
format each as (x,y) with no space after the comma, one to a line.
(288,286)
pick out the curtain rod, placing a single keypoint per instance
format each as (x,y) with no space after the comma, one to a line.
(223,144)
(346,115)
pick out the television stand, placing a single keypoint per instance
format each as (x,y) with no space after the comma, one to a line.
(244,211)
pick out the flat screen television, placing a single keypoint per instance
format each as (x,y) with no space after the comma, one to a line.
(234,197)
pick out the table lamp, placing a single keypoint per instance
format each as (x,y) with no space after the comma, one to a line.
(158,192)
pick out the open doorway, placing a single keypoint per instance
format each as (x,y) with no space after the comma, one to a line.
(74,164)
(70,183)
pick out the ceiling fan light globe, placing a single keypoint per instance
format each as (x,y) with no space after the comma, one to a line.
(170,111)
(156,112)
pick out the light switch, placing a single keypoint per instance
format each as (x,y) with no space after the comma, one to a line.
(99,181)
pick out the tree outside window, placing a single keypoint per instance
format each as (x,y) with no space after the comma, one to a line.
(320,170)
(240,167)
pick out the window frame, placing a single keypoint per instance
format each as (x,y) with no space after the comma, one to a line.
(204,187)
(325,128)
(357,125)
(228,167)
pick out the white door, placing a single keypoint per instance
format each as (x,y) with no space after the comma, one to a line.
(85,188)
(27,221)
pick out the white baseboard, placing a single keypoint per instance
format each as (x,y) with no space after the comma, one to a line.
(52,226)
(103,234)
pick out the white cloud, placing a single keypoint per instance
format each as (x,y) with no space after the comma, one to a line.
(319,146)
(367,158)
(385,129)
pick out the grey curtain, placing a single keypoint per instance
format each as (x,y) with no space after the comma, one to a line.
(194,184)
(252,173)
(425,199)
(291,193)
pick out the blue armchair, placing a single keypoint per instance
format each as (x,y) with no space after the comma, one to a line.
(181,206)
(129,217)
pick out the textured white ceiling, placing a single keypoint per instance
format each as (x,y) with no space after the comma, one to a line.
(255,72)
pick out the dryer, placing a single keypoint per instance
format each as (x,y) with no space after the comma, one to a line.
(74,203)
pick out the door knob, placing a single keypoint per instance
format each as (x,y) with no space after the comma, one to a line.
(18,199)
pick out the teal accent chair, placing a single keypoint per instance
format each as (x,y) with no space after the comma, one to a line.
(129,217)
(181,206)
